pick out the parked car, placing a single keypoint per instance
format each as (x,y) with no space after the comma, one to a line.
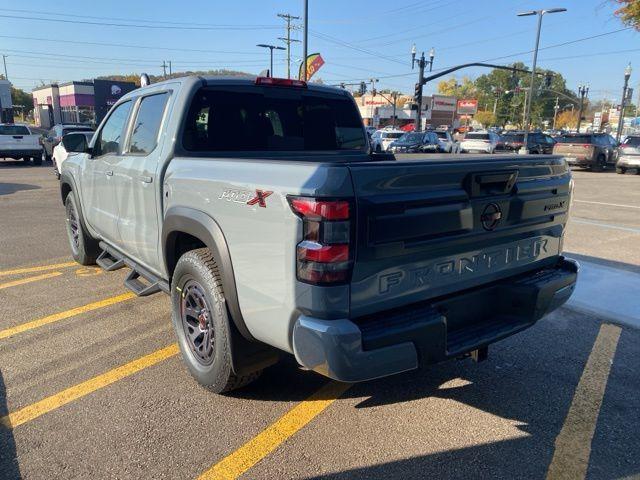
(54,136)
(595,151)
(17,142)
(537,142)
(446,143)
(629,155)
(414,142)
(273,229)
(481,142)
(71,142)
(382,139)
(370,131)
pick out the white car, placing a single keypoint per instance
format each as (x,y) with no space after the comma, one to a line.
(446,143)
(17,142)
(382,139)
(481,142)
(71,142)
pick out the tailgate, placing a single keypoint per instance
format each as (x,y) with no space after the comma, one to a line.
(18,142)
(429,228)
(580,150)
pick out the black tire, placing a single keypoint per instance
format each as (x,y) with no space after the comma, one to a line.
(378,149)
(36,160)
(44,157)
(84,249)
(621,170)
(600,164)
(201,322)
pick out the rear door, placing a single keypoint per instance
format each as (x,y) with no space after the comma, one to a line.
(136,182)
(426,229)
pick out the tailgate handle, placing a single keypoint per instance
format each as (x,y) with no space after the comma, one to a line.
(492,183)
(17,137)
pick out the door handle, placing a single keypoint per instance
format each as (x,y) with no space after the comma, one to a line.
(109,173)
(145,179)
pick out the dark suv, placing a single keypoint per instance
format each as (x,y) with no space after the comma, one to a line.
(595,151)
(537,142)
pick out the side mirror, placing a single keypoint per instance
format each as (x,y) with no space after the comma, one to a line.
(75,143)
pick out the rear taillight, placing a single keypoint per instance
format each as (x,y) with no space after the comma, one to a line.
(324,256)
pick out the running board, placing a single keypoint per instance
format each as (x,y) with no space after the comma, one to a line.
(109,262)
(140,281)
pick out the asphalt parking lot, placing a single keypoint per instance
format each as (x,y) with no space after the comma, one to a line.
(91,383)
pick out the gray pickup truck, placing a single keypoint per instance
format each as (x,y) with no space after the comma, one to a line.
(258,206)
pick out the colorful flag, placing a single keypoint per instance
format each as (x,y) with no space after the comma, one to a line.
(314,62)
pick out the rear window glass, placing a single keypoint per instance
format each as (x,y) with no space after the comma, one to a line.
(476,136)
(271,119)
(441,134)
(392,134)
(412,137)
(76,129)
(574,139)
(14,130)
(632,141)
(514,137)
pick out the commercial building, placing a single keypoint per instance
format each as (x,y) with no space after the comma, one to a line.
(6,103)
(76,102)
(437,110)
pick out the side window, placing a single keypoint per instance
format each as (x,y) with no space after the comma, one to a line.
(147,124)
(110,138)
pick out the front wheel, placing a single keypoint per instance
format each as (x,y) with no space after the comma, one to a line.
(621,170)
(201,322)
(600,164)
(84,249)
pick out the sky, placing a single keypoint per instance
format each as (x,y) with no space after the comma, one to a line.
(358,39)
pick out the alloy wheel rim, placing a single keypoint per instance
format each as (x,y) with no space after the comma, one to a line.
(197,322)
(73,228)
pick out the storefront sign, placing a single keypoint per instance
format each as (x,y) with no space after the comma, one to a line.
(467,107)
(107,93)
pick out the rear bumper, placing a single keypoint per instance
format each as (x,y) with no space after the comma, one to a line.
(404,339)
(16,154)
(629,162)
(580,161)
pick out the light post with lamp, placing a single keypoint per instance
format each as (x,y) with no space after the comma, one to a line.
(627,75)
(422,63)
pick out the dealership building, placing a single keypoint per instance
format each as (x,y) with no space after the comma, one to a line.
(437,110)
(76,102)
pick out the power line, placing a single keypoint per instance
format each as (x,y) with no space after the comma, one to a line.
(138,25)
(288,40)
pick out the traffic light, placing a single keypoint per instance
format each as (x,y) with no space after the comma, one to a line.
(417,96)
(363,88)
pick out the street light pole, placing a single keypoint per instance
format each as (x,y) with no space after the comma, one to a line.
(627,74)
(556,107)
(271,49)
(527,115)
(422,63)
(583,90)
(305,39)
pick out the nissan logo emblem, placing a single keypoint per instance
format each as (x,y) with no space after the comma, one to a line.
(491,216)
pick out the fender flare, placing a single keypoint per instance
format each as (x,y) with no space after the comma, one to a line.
(206,229)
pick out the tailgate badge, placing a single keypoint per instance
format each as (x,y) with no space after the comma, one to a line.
(491,216)
(259,198)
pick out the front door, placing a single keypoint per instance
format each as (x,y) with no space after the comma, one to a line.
(138,187)
(99,189)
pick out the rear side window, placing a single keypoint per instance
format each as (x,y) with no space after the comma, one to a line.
(76,129)
(575,139)
(109,139)
(271,119)
(632,141)
(144,137)
(14,130)
(392,135)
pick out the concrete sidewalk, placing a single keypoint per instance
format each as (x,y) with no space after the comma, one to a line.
(610,293)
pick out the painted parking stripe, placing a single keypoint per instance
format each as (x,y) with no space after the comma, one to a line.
(573,443)
(41,268)
(277,433)
(622,205)
(46,405)
(56,317)
(23,281)
(605,225)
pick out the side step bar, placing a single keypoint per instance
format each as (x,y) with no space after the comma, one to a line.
(140,281)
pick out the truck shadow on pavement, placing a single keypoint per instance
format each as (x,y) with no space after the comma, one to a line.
(9,468)
(9,188)
(511,408)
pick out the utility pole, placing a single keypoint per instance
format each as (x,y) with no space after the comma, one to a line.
(288,40)
(627,74)
(556,107)
(422,63)
(4,60)
(170,71)
(583,90)
(372,81)
(164,69)
(305,39)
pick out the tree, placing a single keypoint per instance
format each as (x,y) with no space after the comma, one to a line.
(629,12)
(567,119)
(485,118)
(451,87)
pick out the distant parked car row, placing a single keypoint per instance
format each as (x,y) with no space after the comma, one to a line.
(398,141)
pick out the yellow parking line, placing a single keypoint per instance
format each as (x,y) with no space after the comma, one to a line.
(573,443)
(53,402)
(274,435)
(62,315)
(41,268)
(22,281)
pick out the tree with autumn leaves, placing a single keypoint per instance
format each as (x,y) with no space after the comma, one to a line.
(629,12)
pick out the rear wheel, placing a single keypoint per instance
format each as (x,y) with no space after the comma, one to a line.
(621,170)
(201,322)
(84,249)
(36,160)
(600,165)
